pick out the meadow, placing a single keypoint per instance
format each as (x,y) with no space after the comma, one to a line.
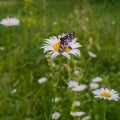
(23,96)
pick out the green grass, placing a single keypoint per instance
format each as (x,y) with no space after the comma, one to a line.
(22,62)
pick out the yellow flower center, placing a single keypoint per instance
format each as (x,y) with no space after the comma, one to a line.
(57,45)
(105,94)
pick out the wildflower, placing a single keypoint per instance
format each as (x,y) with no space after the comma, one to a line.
(86,118)
(77,114)
(52,45)
(76,103)
(10,21)
(56,99)
(42,80)
(106,93)
(14,91)
(113,22)
(94,85)
(72,84)
(97,79)
(56,115)
(92,54)
(54,23)
(2,48)
(79,88)
(76,72)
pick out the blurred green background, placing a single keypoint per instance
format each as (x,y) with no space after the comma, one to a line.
(22,62)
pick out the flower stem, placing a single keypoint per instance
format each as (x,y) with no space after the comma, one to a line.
(104,116)
(57,83)
(105,111)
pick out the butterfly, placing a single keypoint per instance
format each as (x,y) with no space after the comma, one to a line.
(64,41)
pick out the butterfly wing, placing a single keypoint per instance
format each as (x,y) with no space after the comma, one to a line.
(64,41)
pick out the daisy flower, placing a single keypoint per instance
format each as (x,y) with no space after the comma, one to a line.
(107,94)
(10,21)
(2,48)
(14,91)
(77,114)
(86,118)
(91,54)
(53,43)
(79,88)
(55,116)
(76,103)
(56,99)
(72,84)
(94,85)
(97,79)
(42,80)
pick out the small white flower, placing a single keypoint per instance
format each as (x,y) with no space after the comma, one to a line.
(54,23)
(94,85)
(86,118)
(42,80)
(14,91)
(92,54)
(76,103)
(113,22)
(10,21)
(2,48)
(76,72)
(77,114)
(57,99)
(106,93)
(53,43)
(72,84)
(79,88)
(56,115)
(97,79)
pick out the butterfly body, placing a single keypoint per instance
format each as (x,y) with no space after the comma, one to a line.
(64,41)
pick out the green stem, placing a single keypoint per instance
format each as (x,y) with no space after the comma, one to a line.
(105,111)
(9,50)
(76,118)
(57,83)
(104,116)
(59,74)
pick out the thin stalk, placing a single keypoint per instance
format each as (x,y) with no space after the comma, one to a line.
(105,111)
(57,83)
(8,51)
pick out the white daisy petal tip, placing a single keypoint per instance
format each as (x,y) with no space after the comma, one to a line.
(91,54)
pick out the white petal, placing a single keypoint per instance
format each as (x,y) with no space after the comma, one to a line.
(55,54)
(66,55)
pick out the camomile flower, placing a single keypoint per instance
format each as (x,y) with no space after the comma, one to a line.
(2,48)
(14,91)
(86,118)
(107,94)
(94,85)
(79,88)
(52,46)
(91,54)
(56,115)
(77,114)
(10,21)
(97,79)
(76,104)
(72,84)
(56,99)
(42,80)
